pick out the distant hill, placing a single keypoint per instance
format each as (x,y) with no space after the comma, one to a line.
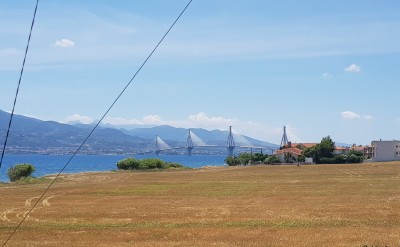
(213,137)
(33,135)
(30,135)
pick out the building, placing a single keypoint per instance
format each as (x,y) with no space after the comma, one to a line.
(288,155)
(365,150)
(340,150)
(385,150)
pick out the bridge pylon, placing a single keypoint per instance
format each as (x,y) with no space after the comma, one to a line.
(157,148)
(189,144)
(230,143)
(284,141)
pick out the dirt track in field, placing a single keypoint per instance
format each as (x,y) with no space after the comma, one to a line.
(330,205)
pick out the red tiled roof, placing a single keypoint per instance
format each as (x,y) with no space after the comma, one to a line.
(295,151)
(307,145)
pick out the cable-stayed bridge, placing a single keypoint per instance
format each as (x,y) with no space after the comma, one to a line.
(234,141)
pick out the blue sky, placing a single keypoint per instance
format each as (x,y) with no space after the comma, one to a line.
(319,67)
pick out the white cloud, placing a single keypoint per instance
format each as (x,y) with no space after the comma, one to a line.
(65,43)
(78,118)
(353,115)
(201,120)
(350,115)
(368,117)
(327,75)
(353,68)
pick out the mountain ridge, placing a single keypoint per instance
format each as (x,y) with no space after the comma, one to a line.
(31,135)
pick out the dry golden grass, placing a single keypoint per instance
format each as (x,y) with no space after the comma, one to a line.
(327,205)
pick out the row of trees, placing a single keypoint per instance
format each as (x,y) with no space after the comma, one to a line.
(250,158)
(146,164)
(323,153)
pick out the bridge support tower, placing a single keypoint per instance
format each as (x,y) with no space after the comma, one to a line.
(189,144)
(157,148)
(284,141)
(230,143)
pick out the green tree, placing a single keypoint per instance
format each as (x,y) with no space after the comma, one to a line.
(245,158)
(356,153)
(301,158)
(322,152)
(326,147)
(20,171)
(151,163)
(232,161)
(259,157)
(272,160)
(128,164)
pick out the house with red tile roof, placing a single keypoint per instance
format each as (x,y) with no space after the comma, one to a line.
(288,155)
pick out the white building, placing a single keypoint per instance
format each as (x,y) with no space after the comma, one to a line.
(385,150)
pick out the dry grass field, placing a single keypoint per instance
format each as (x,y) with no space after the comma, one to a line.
(314,205)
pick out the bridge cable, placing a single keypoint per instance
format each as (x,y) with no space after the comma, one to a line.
(98,123)
(19,83)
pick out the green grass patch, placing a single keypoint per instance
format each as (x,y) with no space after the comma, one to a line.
(282,224)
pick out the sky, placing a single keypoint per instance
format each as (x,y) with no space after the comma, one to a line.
(318,67)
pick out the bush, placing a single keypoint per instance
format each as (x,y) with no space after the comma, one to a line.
(355,159)
(128,164)
(145,164)
(151,163)
(232,161)
(20,171)
(173,165)
(325,160)
(272,160)
(341,159)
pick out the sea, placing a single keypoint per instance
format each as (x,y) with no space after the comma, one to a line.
(52,164)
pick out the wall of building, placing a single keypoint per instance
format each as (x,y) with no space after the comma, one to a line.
(385,150)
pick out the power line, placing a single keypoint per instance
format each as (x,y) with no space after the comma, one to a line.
(19,83)
(98,123)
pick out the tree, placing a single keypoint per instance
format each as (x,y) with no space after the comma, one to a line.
(356,153)
(232,161)
(272,160)
(128,164)
(322,151)
(259,157)
(301,158)
(20,171)
(151,163)
(245,158)
(326,147)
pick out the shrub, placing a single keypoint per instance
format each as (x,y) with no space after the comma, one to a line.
(145,164)
(151,163)
(341,159)
(352,158)
(325,160)
(128,164)
(272,160)
(232,161)
(20,171)
(173,165)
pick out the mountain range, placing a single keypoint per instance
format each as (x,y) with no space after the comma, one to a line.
(30,135)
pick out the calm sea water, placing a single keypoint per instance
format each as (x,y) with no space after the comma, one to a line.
(52,164)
